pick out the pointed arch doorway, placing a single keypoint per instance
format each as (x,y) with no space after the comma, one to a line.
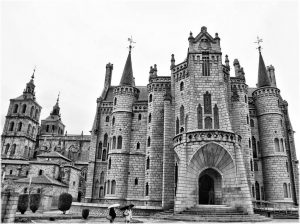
(209,187)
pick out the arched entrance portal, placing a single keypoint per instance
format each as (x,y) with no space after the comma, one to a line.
(209,186)
(206,186)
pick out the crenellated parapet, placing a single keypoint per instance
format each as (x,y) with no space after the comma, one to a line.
(267,91)
(127,90)
(160,85)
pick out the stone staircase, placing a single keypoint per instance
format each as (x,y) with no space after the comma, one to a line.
(212,213)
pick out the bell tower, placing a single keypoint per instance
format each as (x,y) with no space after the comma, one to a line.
(21,125)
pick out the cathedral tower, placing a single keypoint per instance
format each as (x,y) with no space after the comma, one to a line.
(272,137)
(21,125)
(53,125)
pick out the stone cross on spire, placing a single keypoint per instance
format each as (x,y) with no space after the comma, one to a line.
(32,77)
(259,40)
(130,43)
(58,97)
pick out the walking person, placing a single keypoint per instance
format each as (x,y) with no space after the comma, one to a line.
(128,215)
(112,214)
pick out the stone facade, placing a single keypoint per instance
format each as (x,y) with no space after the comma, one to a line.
(198,136)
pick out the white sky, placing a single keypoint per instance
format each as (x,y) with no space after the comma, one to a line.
(70,42)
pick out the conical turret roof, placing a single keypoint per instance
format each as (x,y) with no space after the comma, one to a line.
(127,76)
(263,78)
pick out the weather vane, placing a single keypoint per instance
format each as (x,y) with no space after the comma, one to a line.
(130,43)
(259,40)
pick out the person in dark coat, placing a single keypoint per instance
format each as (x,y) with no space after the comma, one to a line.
(113,214)
(211,196)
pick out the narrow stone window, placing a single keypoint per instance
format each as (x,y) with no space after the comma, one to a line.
(138,145)
(105,140)
(108,187)
(181,86)
(40,172)
(253,191)
(36,113)
(147,189)
(177,126)
(10,172)
(285,190)
(252,123)
(20,126)
(255,166)
(114,142)
(277,147)
(104,155)
(6,149)
(107,119)
(182,115)
(249,143)
(289,188)
(113,187)
(24,108)
(47,128)
(199,117)
(287,166)
(99,150)
(150,98)
(148,163)
(247,119)
(207,103)
(205,66)
(254,147)
(119,146)
(149,141)
(251,165)
(136,181)
(282,145)
(101,192)
(208,123)
(115,101)
(257,191)
(246,99)
(16,107)
(109,163)
(140,117)
(149,119)
(13,150)
(11,126)
(216,117)
(31,111)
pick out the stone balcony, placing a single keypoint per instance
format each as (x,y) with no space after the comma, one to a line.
(206,135)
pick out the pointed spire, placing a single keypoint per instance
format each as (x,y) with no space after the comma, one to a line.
(56,107)
(127,76)
(263,78)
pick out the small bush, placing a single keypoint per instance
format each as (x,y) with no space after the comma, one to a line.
(85,213)
(23,203)
(64,202)
(35,200)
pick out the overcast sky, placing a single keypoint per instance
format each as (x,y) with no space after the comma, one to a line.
(70,42)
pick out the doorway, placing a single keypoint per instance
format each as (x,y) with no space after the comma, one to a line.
(206,189)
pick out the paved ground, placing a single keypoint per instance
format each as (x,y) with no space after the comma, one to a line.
(71,218)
